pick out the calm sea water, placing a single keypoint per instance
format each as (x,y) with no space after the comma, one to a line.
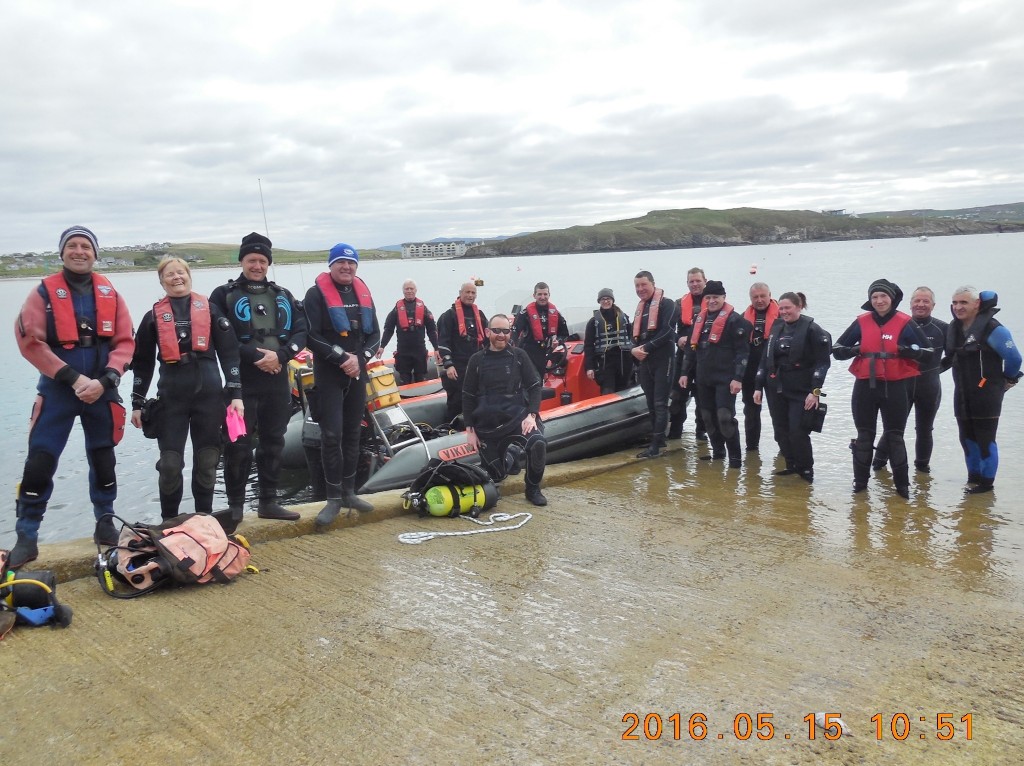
(835,277)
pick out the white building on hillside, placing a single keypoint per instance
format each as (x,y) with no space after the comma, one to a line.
(451,249)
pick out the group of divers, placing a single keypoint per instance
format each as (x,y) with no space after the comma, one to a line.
(232,349)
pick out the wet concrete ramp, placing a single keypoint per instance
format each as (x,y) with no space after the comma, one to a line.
(533,646)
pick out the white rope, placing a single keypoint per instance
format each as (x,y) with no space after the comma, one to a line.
(415,538)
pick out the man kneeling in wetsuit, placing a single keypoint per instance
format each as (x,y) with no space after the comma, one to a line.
(501,397)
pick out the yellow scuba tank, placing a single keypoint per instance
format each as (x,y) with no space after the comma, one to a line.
(442,500)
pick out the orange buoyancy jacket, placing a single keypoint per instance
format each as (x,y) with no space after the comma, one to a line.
(460,315)
(402,314)
(166,333)
(336,309)
(536,328)
(771,314)
(879,349)
(717,327)
(652,316)
(64,319)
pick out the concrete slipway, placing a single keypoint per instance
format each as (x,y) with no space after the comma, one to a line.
(662,587)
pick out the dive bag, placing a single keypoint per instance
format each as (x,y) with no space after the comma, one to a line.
(186,549)
(451,488)
(29,598)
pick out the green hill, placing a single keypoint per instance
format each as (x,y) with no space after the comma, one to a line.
(702,227)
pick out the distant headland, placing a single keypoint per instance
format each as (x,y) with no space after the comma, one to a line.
(658,230)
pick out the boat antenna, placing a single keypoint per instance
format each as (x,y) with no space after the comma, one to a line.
(266,227)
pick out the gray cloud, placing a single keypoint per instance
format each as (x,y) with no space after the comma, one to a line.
(382,123)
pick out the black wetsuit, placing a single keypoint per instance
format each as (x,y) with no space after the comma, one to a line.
(411,351)
(716,365)
(262,315)
(500,389)
(925,397)
(752,410)
(537,350)
(456,349)
(654,373)
(340,399)
(680,397)
(984,360)
(795,359)
(191,401)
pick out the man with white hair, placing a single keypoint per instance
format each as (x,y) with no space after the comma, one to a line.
(925,389)
(986,364)
(412,323)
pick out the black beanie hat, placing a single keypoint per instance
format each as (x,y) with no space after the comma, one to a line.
(255,243)
(884,286)
(714,287)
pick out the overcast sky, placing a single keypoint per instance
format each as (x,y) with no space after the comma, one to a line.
(386,121)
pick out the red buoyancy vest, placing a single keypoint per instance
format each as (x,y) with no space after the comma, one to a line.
(403,314)
(536,328)
(882,340)
(64,318)
(167,336)
(461,316)
(652,316)
(686,309)
(336,309)
(717,327)
(771,314)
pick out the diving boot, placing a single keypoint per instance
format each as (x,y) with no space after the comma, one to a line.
(535,496)
(230,519)
(105,533)
(328,513)
(982,486)
(351,500)
(24,551)
(271,509)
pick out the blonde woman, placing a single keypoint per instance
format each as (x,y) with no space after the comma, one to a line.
(189,337)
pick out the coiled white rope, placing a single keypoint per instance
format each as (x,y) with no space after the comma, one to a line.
(415,538)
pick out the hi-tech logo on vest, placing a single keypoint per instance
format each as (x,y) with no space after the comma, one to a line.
(886,337)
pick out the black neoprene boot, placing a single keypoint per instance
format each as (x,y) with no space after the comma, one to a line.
(351,500)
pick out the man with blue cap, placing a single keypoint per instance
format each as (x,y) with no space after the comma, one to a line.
(343,334)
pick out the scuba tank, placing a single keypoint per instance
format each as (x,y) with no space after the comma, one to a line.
(452,500)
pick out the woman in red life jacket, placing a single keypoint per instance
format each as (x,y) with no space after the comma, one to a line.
(190,338)
(884,344)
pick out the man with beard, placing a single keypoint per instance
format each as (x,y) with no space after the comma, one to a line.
(501,406)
